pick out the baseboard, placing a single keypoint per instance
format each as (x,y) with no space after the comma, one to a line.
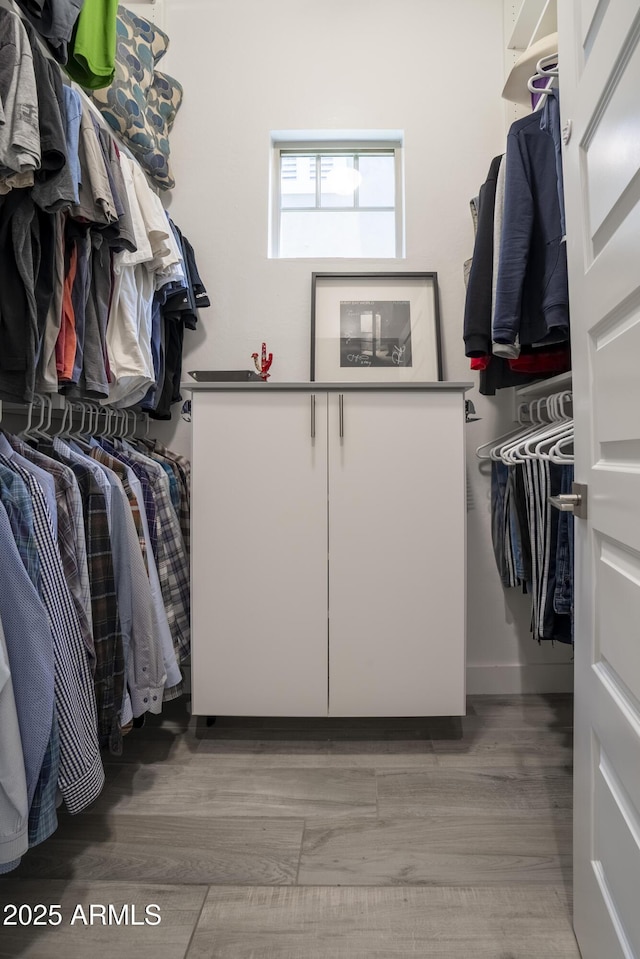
(520,678)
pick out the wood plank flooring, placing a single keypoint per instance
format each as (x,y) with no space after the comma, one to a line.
(445,838)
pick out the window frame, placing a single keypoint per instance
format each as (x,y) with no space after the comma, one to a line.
(319,148)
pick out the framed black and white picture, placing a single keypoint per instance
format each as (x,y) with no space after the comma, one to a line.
(375,327)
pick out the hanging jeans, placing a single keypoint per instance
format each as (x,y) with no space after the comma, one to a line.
(563,596)
(542,480)
(499,476)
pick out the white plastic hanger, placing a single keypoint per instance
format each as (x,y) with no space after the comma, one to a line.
(546,68)
(555,453)
(44,423)
(512,434)
(531,444)
(510,452)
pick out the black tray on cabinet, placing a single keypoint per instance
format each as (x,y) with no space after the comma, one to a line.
(222,376)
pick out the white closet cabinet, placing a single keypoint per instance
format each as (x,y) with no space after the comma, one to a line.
(328,550)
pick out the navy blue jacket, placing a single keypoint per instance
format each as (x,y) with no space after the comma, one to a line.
(532,297)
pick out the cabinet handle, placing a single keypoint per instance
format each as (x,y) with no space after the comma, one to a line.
(313,416)
(341,414)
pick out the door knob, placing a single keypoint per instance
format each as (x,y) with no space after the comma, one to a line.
(574,502)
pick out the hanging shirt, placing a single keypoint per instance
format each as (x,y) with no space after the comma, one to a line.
(107,643)
(162,632)
(54,21)
(71,537)
(43,820)
(81,774)
(53,184)
(173,566)
(44,479)
(73,115)
(14,806)
(94,378)
(146,675)
(92,51)
(109,671)
(96,203)
(130,320)
(66,342)
(124,234)
(47,376)
(20,133)
(30,652)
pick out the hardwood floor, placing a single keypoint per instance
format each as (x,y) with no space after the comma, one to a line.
(328,839)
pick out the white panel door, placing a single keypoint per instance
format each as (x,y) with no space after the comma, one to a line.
(259,554)
(397,554)
(600,95)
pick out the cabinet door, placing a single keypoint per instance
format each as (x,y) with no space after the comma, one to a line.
(259,554)
(397,554)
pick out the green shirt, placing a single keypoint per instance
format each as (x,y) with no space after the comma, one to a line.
(92,51)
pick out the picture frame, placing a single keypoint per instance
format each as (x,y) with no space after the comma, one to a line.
(375,328)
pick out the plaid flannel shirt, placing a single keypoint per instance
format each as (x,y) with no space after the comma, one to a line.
(173,566)
(159,614)
(17,502)
(109,674)
(184,505)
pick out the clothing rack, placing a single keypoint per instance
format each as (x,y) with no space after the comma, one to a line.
(94,611)
(132,318)
(541,420)
(118,423)
(531,474)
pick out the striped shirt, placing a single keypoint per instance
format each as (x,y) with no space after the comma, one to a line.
(30,651)
(70,538)
(43,820)
(81,774)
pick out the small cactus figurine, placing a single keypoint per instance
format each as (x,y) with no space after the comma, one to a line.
(265,363)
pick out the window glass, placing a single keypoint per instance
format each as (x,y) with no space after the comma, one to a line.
(334,233)
(339,182)
(298,181)
(377,186)
(337,203)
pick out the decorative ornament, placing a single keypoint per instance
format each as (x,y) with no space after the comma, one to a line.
(265,363)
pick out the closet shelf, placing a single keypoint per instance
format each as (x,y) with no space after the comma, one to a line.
(515,88)
(551,385)
(536,19)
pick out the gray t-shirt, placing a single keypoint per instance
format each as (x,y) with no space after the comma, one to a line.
(53,187)
(20,133)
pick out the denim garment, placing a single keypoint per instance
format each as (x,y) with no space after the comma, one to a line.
(499,475)
(554,625)
(515,531)
(528,474)
(520,505)
(563,596)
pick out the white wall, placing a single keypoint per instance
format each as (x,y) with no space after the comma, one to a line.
(431,69)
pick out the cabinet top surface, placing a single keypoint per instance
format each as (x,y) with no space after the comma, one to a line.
(308,387)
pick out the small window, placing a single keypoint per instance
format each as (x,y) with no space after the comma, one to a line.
(334,200)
